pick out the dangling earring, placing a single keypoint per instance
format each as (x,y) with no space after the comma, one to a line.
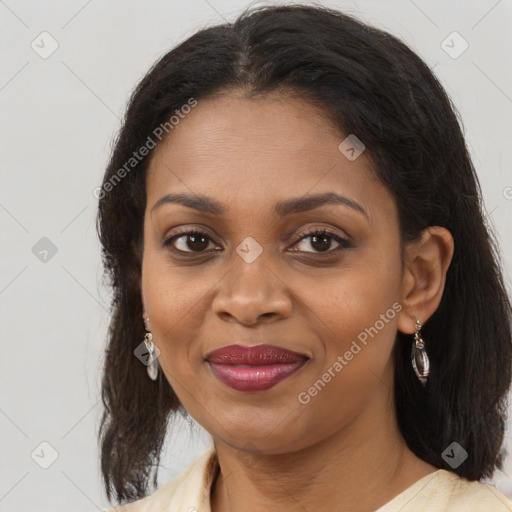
(152,359)
(419,357)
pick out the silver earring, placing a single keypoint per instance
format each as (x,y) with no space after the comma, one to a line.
(419,357)
(152,359)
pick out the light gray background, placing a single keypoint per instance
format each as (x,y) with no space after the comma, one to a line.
(58,117)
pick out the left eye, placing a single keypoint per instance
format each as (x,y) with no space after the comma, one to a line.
(321,241)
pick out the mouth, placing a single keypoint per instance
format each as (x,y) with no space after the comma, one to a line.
(254,368)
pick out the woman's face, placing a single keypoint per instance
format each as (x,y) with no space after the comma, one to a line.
(258,275)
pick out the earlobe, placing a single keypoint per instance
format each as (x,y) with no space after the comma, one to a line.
(426,264)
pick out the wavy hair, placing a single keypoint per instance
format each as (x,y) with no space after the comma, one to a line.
(368,83)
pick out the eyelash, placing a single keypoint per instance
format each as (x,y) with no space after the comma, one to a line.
(344,243)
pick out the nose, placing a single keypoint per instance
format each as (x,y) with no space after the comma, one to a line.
(252,293)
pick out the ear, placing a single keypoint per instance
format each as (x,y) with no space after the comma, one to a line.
(426,264)
(145,313)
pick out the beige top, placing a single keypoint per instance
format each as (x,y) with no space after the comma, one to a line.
(440,491)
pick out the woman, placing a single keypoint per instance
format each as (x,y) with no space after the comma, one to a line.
(293,230)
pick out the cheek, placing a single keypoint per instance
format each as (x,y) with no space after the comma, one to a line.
(170,300)
(356,314)
(356,365)
(357,331)
(354,297)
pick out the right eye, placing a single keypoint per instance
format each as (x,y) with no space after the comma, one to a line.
(188,241)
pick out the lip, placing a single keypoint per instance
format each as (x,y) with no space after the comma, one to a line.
(254,368)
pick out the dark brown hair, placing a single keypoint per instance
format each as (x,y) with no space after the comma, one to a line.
(371,84)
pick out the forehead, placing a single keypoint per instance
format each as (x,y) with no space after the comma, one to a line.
(233,125)
(255,149)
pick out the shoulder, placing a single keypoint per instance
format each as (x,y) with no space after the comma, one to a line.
(189,490)
(444,491)
(475,495)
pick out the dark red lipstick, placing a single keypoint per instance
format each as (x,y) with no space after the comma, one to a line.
(254,368)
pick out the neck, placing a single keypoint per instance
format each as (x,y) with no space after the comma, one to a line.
(360,467)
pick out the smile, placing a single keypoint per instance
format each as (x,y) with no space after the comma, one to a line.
(255,368)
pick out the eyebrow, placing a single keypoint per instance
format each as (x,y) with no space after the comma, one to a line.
(282,208)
